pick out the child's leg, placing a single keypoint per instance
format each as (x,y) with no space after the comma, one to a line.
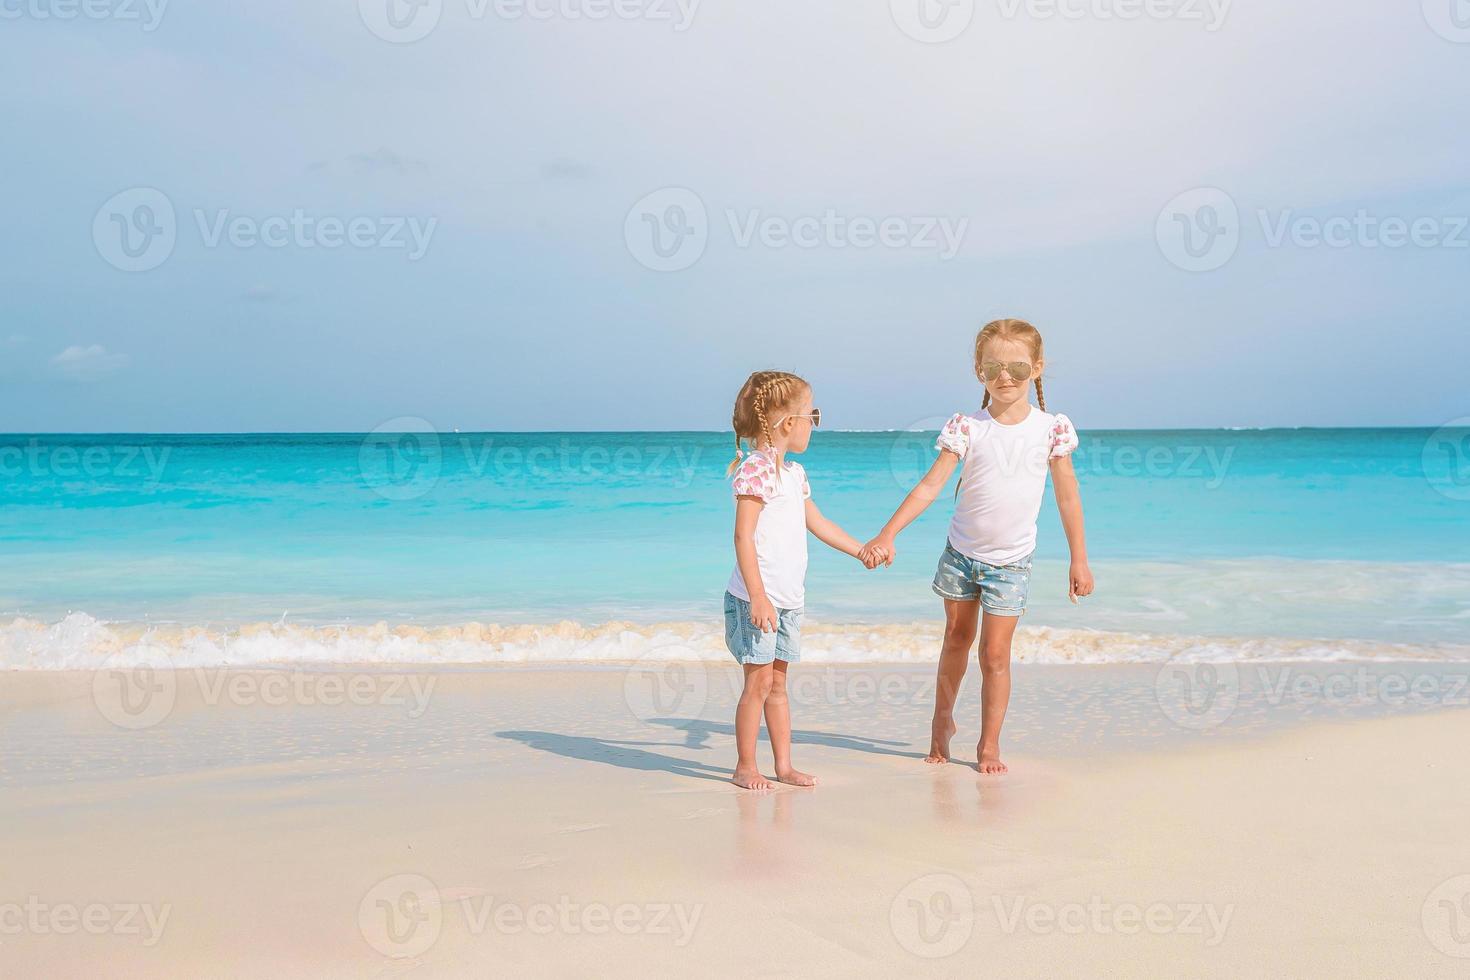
(778,726)
(995,686)
(758,679)
(959,635)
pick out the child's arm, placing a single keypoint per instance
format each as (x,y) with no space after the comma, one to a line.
(747,512)
(917,501)
(827,531)
(1069,505)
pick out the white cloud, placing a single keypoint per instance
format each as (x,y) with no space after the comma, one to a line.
(565,169)
(384,160)
(90,363)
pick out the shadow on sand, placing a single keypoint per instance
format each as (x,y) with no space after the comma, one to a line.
(697,732)
(623,754)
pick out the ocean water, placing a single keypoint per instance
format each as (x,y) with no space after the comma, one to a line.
(415,545)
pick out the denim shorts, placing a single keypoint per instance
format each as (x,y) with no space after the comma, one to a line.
(750,646)
(1001,589)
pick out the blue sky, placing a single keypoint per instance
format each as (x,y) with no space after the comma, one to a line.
(518,147)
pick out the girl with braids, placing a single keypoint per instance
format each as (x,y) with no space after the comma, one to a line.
(1004,452)
(765,597)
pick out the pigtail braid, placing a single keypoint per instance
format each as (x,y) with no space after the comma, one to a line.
(762,394)
(1040,398)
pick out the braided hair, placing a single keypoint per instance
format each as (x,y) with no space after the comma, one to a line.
(763,393)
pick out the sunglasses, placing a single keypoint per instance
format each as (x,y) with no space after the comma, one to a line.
(1018,370)
(815,417)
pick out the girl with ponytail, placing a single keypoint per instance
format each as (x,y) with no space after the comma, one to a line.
(1004,453)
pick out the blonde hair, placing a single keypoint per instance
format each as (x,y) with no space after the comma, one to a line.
(1010,329)
(762,392)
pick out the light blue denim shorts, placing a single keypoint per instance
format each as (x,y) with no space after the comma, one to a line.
(750,646)
(1001,589)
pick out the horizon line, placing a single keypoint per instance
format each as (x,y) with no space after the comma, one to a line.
(725,431)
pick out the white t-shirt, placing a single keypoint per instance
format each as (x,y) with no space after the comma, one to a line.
(780,531)
(1002,478)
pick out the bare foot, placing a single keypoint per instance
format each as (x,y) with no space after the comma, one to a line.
(939,744)
(989,760)
(750,779)
(796,777)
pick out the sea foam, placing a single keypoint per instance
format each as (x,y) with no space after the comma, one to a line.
(82,642)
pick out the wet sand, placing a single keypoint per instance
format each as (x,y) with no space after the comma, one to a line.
(1308,820)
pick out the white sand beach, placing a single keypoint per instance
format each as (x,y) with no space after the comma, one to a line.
(551,822)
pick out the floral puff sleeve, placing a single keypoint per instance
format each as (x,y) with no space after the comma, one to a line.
(1063,437)
(756,477)
(955,436)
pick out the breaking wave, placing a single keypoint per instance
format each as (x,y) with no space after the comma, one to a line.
(81,642)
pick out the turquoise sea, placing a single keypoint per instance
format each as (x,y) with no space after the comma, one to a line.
(1331,534)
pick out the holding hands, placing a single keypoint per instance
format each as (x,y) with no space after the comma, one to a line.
(879,551)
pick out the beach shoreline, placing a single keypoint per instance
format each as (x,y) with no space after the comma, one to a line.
(508,819)
(83,642)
